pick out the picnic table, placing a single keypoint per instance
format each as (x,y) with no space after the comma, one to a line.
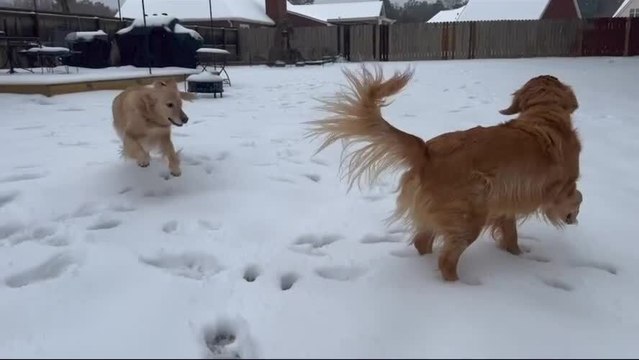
(208,56)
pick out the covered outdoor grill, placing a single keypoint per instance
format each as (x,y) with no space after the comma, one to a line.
(92,49)
(162,42)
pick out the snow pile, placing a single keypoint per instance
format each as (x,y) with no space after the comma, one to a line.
(179,29)
(259,251)
(48,49)
(164,21)
(185,10)
(488,10)
(213,51)
(204,76)
(85,35)
(169,23)
(338,11)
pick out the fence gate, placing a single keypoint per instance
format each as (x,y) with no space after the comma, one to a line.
(362,43)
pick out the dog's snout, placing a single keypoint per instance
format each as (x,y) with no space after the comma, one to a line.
(184,118)
(571,219)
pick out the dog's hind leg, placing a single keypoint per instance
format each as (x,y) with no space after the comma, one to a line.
(423,242)
(132,148)
(456,239)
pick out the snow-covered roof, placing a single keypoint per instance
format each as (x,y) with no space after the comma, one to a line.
(338,11)
(447,15)
(490,10)
(192,10)
(623,6)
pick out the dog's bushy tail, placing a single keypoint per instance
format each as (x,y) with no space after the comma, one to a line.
(357,118)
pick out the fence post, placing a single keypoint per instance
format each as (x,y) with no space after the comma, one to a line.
(580,37)
(626,49)
(444,41)
(223,37)
(97,23)
(36,25)
(376,52)
(339,40)
(471,39)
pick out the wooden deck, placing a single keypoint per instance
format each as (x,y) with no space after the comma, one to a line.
(74,86)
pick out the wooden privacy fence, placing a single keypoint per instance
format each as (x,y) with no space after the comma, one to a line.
(222,38)
(514,39)
(257,45)
(314,42)
(52,27)
(455,40)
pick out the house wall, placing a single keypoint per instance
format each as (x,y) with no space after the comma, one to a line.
(625,12)
(561,9)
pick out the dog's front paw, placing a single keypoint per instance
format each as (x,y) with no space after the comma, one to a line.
(144,161)
(176,172)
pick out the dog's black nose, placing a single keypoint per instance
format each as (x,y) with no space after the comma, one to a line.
(184,119)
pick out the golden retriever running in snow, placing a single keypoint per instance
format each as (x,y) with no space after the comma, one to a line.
(142,118)
(460,183)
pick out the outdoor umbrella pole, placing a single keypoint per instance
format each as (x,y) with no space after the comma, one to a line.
(148,61)
(211,15)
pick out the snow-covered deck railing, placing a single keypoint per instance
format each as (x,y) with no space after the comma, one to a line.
(91,75)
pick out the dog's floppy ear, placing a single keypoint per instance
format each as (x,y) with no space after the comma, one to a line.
(147,103)
(514,107)
(158,84)
(171,84)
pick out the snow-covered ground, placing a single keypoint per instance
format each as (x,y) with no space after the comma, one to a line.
(257,250)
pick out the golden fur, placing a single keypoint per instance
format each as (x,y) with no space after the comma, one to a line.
(460,183)
(142,118)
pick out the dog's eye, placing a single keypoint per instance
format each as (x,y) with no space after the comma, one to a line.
(169,105)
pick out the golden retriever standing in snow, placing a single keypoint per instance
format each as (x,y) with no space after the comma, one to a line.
(459,183)
(142,118)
